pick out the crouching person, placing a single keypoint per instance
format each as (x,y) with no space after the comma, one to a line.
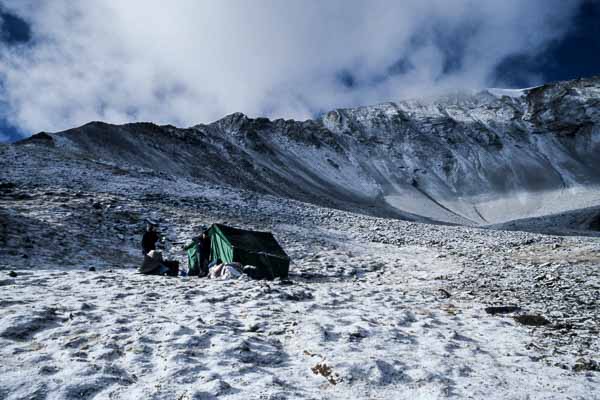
(155,265)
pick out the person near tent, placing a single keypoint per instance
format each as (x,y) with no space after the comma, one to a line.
(149,239)
(154,264)
(198,251)
(205,253)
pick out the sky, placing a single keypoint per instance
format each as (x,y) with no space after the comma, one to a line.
(65,63)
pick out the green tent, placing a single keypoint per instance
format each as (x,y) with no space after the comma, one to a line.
(248,248)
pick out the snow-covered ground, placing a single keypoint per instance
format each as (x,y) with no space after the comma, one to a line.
(374,308)
(382,332)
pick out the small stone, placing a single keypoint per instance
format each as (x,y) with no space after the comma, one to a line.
(586,365)
(546,264)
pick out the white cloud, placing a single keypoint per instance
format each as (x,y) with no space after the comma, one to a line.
(195,61)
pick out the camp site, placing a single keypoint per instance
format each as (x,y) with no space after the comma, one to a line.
(222,251)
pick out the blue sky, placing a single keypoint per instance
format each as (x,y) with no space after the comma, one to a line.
(65,63)
(13,31)
(575,55)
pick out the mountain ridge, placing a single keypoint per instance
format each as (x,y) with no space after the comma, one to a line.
(471,158)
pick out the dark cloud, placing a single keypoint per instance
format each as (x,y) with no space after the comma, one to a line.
(13,30)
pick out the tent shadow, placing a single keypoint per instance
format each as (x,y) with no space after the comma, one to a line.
(316,277)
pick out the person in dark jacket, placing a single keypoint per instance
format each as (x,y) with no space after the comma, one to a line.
(198,251)
(205,253)
(149,239)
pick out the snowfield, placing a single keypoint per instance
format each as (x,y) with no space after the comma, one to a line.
(374,307)
(381,334)
(380,303)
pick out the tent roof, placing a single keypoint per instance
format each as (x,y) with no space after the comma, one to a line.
(252,241)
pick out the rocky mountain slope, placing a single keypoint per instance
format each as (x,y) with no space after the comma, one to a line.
(375,306)
(468,158)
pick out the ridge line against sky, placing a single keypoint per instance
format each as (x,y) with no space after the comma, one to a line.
(64,63)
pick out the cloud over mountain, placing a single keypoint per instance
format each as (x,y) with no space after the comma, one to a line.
(194,61)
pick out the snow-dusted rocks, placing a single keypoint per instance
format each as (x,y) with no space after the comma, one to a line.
(375,306)
(472,158)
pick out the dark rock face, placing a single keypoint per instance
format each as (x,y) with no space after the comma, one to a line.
(531,320)
(594,223)
(38,138)
(467,158)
